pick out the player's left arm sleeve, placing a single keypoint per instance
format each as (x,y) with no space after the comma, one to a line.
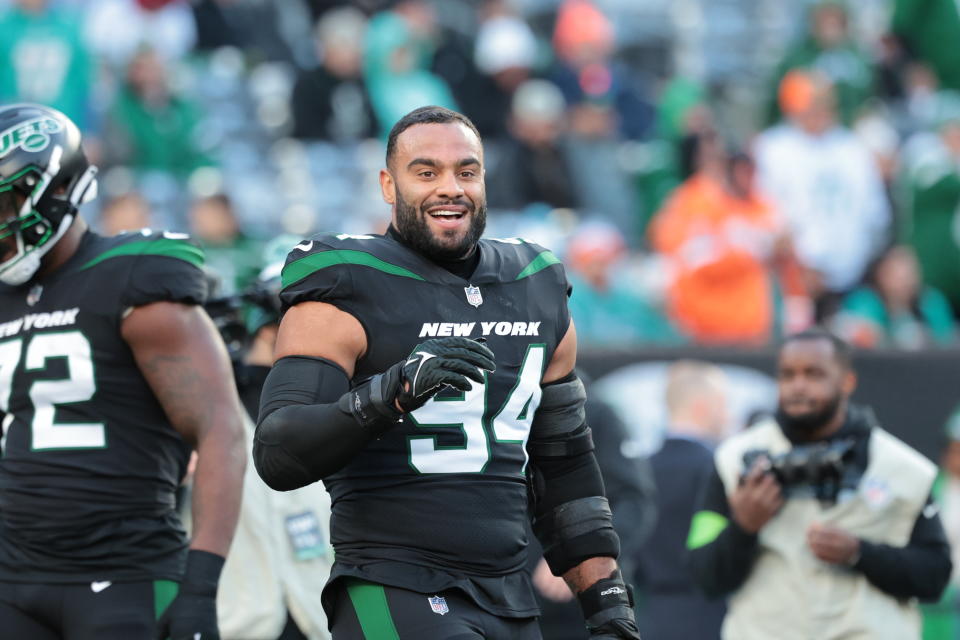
(919,570)
(572,517)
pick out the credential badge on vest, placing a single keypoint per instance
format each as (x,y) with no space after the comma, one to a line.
(33,297)
(473,295)
(438,604)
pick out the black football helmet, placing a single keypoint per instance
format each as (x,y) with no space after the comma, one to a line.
(44,177)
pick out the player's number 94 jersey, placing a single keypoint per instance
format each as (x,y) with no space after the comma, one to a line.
(446,487)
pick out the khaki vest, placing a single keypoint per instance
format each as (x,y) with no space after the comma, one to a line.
(262,577)
(790,594)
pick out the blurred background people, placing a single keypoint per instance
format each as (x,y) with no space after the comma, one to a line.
(532,165)
(330,101)
(397,62)
(605,303)
(827,186)
(931,196)
(229,251)
(671,604)
(828,48)
(894,308)
(733,271)
(922,25)
(150,126)
(44,58)
(126,212)
(505,55)
(858,545)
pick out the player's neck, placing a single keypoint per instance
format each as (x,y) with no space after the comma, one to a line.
(64,249)
(462,267)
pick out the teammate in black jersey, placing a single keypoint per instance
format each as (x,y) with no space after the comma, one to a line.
(110,372)
(427,377)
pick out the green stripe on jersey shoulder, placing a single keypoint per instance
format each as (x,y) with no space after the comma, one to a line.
(300,269)
(168,247)
(704,528)
(543,260)
(370,602)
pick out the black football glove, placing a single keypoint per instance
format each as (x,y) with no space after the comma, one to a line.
(193,613)
(413,381)
(608,609)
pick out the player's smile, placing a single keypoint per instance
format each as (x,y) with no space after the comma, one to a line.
(450,216)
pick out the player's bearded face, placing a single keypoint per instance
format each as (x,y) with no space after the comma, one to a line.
(446,244)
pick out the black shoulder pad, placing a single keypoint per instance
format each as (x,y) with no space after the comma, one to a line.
(158,266)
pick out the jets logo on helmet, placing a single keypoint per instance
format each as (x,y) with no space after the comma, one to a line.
(33,135)
(44,177)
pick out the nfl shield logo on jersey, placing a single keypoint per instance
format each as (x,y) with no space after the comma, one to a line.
(439,604)
(473,295)
(34,296)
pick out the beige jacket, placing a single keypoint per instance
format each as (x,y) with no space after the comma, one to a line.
(790,594)
(263,577)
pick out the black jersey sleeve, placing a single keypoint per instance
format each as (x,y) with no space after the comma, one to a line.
(167,267)
(549,268)
(317,271)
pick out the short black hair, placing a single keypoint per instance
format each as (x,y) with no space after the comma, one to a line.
(431,114)
(842,351)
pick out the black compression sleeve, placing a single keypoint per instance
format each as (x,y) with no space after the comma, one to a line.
(303,434)
(722,564)
(919,570)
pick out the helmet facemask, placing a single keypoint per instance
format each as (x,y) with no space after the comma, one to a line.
(47,211)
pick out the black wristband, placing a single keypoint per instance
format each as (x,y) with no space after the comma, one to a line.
(605,594)
(202,574)
(369,406)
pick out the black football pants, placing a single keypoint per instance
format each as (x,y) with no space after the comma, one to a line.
(368,611)
(87,611)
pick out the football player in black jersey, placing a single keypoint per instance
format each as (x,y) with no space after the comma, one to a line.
(110,372)
(427,377)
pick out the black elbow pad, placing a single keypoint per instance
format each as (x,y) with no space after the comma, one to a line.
(559,427)
(280,470)
(575,531)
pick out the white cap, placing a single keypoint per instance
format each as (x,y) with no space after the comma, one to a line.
(504,42)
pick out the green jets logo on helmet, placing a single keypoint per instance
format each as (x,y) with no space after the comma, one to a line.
(32,135)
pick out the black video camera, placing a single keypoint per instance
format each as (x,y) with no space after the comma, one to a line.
(817,468)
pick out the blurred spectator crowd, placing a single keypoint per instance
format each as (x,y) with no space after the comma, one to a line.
(713,172)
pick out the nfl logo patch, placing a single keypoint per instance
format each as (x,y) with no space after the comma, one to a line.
(439,604)
(473,295)
(34,296)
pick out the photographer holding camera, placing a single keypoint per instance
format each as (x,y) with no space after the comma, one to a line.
(819,524)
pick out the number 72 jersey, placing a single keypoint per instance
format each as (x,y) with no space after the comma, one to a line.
(90,462)
(446,488)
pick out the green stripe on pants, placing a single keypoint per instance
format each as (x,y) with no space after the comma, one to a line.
(164,591)
(370,603)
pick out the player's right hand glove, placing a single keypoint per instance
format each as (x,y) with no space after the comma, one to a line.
(193,613)
(608,609)
(413,381)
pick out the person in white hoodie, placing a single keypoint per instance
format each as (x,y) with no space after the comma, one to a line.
(826,183)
